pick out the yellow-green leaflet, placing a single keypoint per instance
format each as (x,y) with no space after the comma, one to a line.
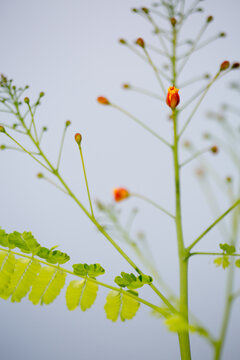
(26,281)
(81,292)
(120,304)
(7,269)
(41,283)
(20,266)
(54,288)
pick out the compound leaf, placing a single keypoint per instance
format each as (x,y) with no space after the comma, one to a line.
(25,242)
(7,269)
(42,281)
(92,270)
(81,292)
(228,249)
(54,288)
(26,281)
(118,304)
(131,281)
(222,261)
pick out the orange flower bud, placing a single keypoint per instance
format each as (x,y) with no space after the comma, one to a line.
(173,21)
(140,42)
(209,19)
(145,10)
(78,138)
(224,65)
(120,194)
(126,86)
(103,101)
(214,149)
(122,41)
(173,98)
(2,129)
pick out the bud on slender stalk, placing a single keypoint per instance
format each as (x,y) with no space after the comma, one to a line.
(209,19)
(224,65)
(103,100)
(26,100)
(145,10)
(140,42)
(2,129)
(173,21)
(236,65)
(173,98)
(40,175)
(120,194)
(67,123)
(126,86)
(41,94)
(78,138)
(122,41)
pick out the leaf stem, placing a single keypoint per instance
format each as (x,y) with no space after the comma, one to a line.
(144,198)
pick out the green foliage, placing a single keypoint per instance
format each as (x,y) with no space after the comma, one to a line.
(4,239)
(25,242)
(92,270)
(237,263)
(26,281)
(131,281)
(81,293)
(120,305)
(53,256)
(176,323)
(228,249)
(7,269)
(222,261)
(47,286)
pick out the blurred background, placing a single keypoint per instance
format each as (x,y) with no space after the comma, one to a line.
(70,50)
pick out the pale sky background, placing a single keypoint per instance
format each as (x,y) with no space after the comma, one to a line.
(69,49)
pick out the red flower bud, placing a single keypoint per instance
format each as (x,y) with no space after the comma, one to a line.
(103,101)
(224,65)
(140,42)
(78,138)
(120,194)
(173,98)
(235,65)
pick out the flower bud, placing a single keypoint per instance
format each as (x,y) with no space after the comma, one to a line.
(26,100)
(120,194)
(207,76)
(2,147)
(103,101)
(44,128)
(173,21)
(214,149)
(134,10)
(145,10)
(122,41)
(40,175)
(235,65)
(41,94)
(126,86)
(200,172)
(187,144)
(222,34)
(224,65)
(78,138)
(173,98)
(140,42)
(2,129)
(209,19)
(67,123)
(228,179)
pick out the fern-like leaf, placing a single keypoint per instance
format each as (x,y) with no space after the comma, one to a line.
(54,288)
(41,283)
(119,304)
(19,269)
(7,269)
(26,281)
(81,292)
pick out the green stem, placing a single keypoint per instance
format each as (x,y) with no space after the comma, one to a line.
(229,293)
(86,182)
(184,341)
(213,224)
(153,203)
(61,147)
(141,124)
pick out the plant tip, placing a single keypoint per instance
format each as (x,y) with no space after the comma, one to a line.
(236,65)
(41,94)
(40,175)
(78,138)
(120,194)
(140,42)
(214,149)
(103,100)
(224,65)
(209,19)
(122,41)
(173,21)
(126,86)
(67,123)
(26,100)
(173,98)
(2,129)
